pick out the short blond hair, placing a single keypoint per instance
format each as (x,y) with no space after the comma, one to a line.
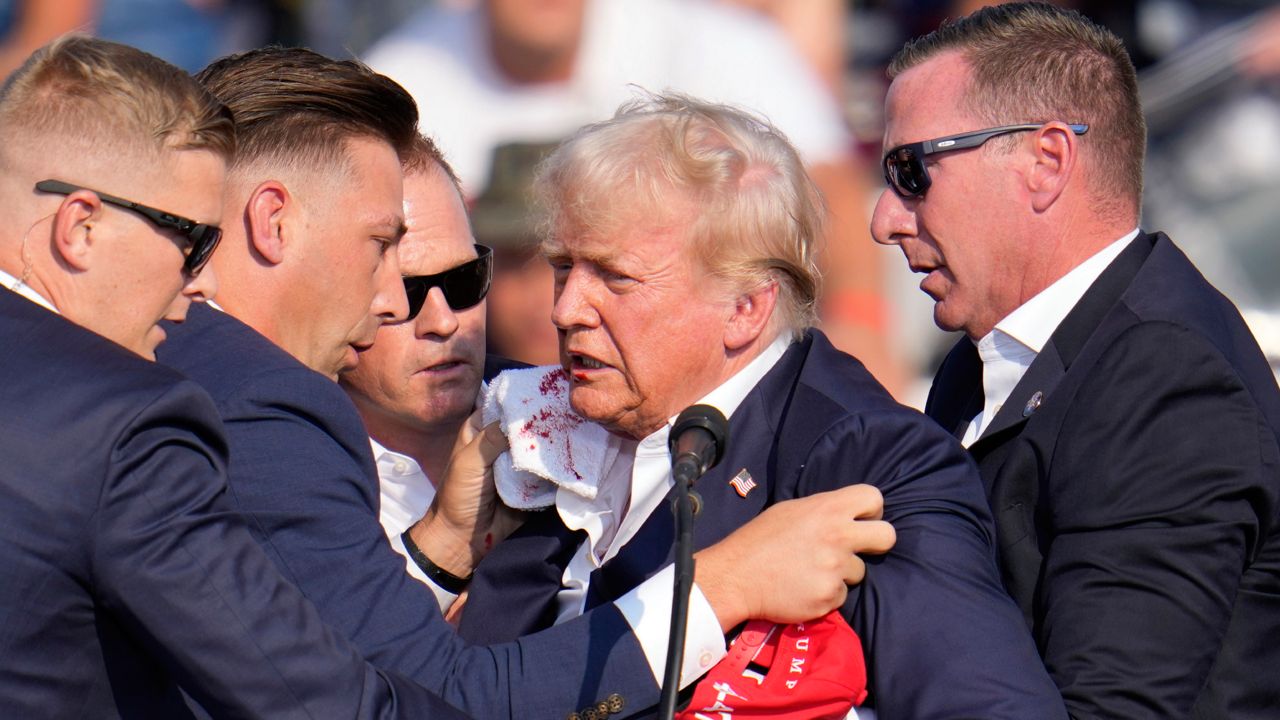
(113,97)
(751,213)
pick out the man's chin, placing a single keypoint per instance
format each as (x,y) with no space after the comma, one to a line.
(154,338)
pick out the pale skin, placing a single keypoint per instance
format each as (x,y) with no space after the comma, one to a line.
(309,256)
(106,268)
(994,229)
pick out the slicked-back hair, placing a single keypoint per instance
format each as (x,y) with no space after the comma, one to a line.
(750,213)
(113,97)
(294,107)
(1034,62)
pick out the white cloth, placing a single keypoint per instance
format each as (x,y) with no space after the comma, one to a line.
(25,291)
(551,446)
(1013,344)
(711,51)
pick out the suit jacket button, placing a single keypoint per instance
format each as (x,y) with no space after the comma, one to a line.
(615,703)
(573,716)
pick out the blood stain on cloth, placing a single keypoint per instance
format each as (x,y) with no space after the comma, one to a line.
(549,424)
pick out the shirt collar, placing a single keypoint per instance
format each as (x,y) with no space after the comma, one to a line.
(1034,321)
(26,291)
(397,465)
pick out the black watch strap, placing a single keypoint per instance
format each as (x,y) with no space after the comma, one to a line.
(434,572)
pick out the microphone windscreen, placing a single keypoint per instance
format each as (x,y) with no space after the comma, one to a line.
(704,417)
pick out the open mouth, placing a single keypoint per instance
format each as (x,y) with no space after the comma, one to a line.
(581,367)
(587,362)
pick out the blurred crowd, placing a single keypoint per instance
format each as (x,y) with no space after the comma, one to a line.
(501,83)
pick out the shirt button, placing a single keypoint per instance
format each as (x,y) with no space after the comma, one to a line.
(401,467)
(704,660)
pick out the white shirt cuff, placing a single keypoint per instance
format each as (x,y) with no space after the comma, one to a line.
(443,597)
(647,609)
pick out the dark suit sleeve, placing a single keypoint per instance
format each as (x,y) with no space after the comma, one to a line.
(313,503)
(942,638)
(1155,514)
(176,566)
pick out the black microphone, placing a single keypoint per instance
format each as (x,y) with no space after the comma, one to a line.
(697,442)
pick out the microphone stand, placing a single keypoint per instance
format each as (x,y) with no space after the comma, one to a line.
(685,505)
(697,442)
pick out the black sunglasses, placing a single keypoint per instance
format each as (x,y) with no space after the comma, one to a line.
(202,238)
(463,286)
(904,168)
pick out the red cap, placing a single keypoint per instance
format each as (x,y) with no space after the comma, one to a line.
(813,670)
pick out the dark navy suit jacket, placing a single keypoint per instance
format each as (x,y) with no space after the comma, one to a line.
(942,639)
(123,571)
(1134,473)
(302,473)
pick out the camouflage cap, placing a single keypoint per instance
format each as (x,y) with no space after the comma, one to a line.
(502,215)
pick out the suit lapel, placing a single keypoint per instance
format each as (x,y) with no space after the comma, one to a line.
(956,395)
(1036,384)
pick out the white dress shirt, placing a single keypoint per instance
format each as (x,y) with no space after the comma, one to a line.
(1011,346)
(25,291)
(633,488)
(406,492)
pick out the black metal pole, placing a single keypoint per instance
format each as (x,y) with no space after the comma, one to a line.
(683,506)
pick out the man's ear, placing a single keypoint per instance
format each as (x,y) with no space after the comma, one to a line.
(265,213)
(1056,154)
(752,311)
(73,239)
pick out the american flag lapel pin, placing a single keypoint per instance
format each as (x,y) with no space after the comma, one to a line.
(743,483)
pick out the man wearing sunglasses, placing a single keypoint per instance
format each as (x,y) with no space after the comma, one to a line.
(419,382)
(1121,414)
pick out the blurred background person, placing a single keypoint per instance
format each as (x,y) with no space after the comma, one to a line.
(187,33)
(503,71)
(502,217)
(28,24)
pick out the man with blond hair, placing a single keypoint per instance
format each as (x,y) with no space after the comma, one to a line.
(681,235)
(126,574)
(1122,416)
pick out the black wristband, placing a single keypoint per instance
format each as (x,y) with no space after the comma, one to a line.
(438,575)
